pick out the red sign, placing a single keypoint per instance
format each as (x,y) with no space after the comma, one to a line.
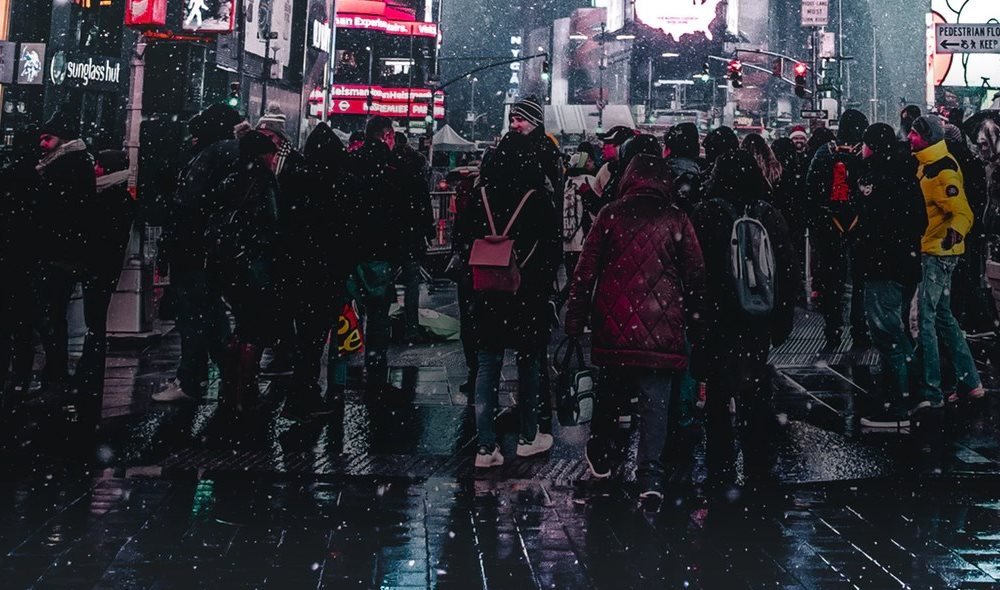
(418,110)
(390,27)
(377,7)
(146,13)
(385,94)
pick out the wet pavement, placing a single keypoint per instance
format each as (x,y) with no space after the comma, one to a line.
(384,495)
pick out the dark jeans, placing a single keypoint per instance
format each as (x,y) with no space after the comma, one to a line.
(202,324)
(54,288)
(16,312)
(655,388)
(488,392)
(465,311)
(834,270)
(411,295)
(884,302)
(316,320)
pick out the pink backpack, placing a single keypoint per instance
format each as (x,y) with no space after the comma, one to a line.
(493,261)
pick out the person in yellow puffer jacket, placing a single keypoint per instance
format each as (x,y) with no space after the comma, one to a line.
(949,220)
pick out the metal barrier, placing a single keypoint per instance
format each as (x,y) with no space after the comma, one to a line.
(443,206)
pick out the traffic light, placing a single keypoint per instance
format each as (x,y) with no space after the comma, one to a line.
(545,70)
(705,75)
(735,70)
(776,68)
(234,95)
(800,79)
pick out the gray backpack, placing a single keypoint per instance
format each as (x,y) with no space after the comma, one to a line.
(751,260)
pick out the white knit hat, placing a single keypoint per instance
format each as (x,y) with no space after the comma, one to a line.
(273,120)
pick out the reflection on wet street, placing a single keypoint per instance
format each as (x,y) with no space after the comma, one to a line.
(383,493)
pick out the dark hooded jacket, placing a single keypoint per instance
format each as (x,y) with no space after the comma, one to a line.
(549,157)
(735,345)
(66,208)
(418,217)
(381,212)
(893,218)
(520,320)
(117,212)
(640,281)
(19,192)
(319,223)
(831,218)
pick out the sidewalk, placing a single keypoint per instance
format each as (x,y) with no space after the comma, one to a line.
(385,495)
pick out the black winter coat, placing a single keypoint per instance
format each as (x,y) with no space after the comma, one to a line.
(418,218)
(381,213)
(195,201)
(735,345)
(67,216)
(319,217)
(19,188)
(893,219)
(522,320)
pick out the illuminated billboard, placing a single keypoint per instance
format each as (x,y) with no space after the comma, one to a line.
(681,17)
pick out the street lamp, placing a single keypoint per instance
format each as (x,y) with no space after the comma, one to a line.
(370,59)
(472,107)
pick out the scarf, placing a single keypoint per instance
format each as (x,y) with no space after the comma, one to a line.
(68,147)
(112,179)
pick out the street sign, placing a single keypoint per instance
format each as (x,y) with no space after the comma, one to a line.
(809,114)
(815,13)
(967,38)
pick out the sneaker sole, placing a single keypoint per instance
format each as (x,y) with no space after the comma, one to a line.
(533,452)
(491,463)
(886,425)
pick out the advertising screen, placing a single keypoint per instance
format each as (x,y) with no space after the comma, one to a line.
(681,17)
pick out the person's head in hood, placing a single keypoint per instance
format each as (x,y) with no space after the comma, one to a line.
(324,148)
(988,141)
(784,150)
(719,142)
(907,116)
(511,166)
(59,129)
(926,131)
(820,137)
(255,147)
(852,127)
(401,141)
(737,178)
(647,175)
(527,115)
(216,123)
(682,142)
(880,141)
(799,138)
(640,144)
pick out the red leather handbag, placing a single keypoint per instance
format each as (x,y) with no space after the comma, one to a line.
(493,260)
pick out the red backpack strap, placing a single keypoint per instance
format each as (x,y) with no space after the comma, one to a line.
(489,213)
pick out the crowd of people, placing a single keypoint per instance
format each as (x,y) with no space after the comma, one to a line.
(684,262)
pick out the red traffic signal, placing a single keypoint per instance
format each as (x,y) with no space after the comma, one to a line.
(735,69)
(801,69)
(800,79)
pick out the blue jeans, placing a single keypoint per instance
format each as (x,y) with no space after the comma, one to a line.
(884,309)
(939,326)
(488,393)
(655,388)
(202,324)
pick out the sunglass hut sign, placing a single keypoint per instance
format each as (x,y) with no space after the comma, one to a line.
(99,73)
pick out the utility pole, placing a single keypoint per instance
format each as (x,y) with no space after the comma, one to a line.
(241,21)
(600,100)
(874,77)
(331,54)
(370,101)
(265,74)
(472,108)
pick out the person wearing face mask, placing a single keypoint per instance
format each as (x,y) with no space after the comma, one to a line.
(949,220)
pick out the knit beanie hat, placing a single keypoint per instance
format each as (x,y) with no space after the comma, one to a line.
(529,109)
(273,121)
(880,138)
(60,125)
(953,133)
(930,128)
(852,127)
(798,132)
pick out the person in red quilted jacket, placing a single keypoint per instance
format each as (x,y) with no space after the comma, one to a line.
(639,285)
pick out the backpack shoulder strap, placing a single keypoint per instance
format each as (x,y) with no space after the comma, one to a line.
(517,212)
(489,213)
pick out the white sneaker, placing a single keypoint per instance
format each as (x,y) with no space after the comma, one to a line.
(542,443)
(172,393)
(486,459)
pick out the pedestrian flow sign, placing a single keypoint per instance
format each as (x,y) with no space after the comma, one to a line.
(967,38)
